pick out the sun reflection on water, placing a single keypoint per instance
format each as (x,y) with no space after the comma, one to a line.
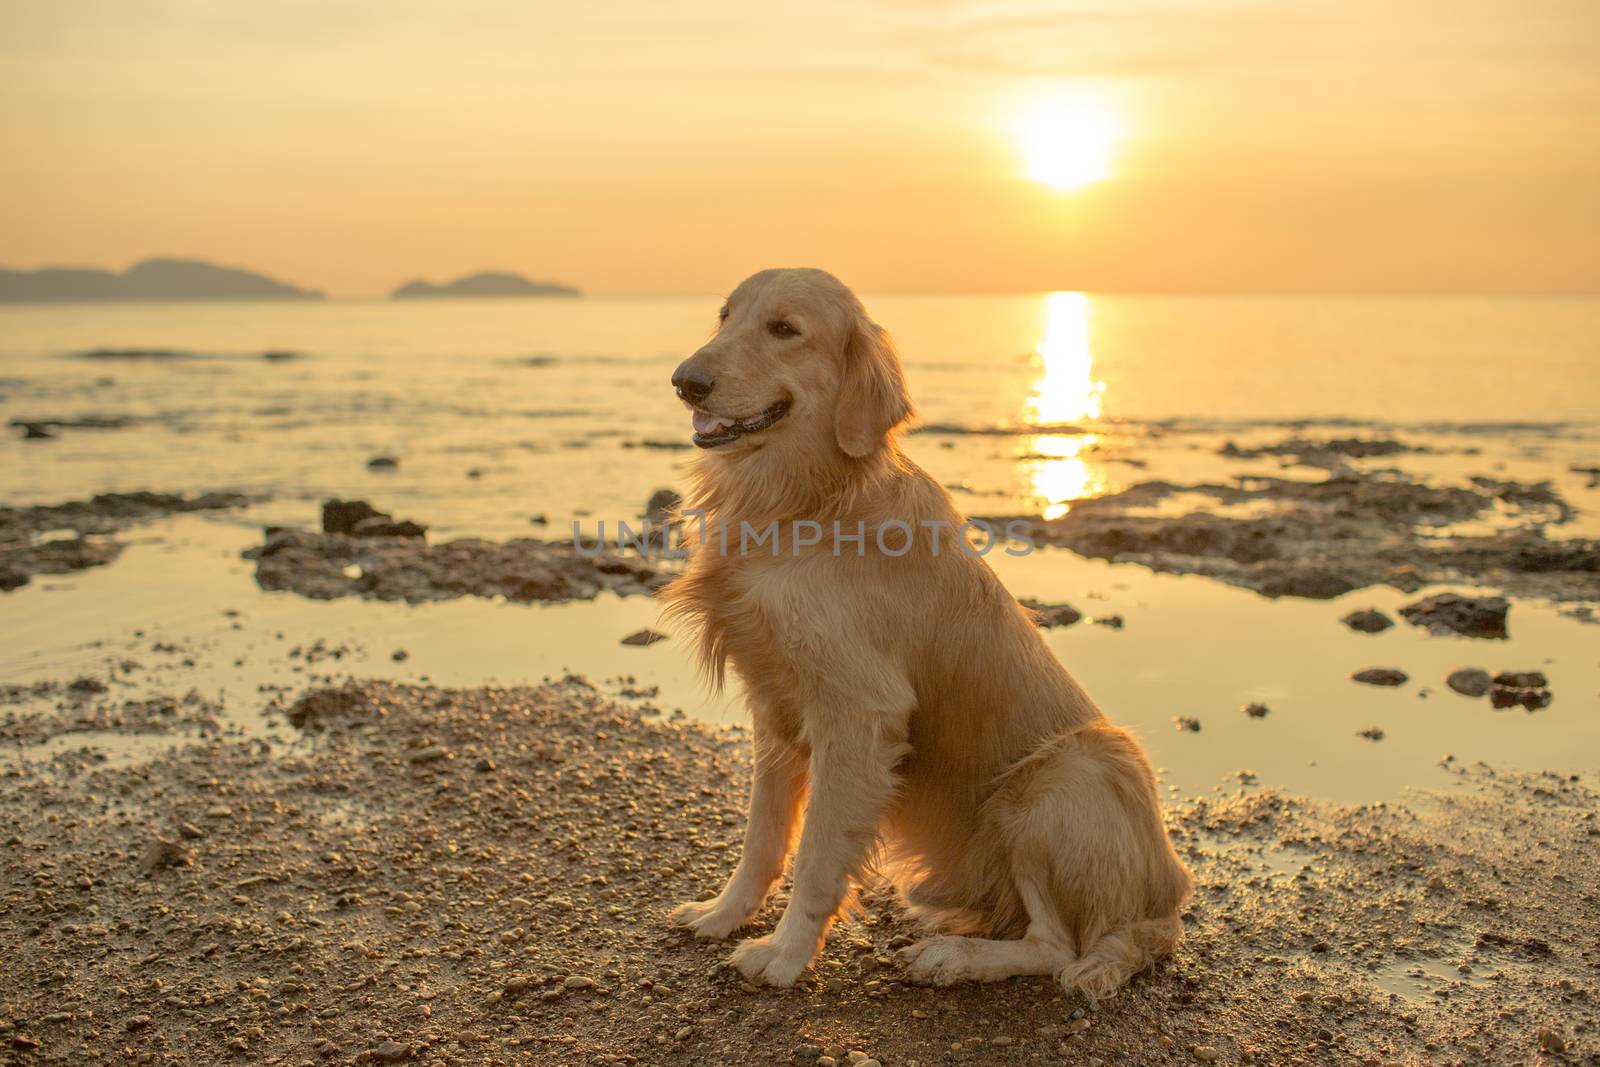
(1056,464)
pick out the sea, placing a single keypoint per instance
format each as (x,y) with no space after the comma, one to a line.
(516,418)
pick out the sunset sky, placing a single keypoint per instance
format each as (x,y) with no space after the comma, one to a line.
(662,147)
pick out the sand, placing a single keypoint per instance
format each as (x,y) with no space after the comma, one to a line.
(481,877)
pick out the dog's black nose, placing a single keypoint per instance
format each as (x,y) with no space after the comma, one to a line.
(692,383)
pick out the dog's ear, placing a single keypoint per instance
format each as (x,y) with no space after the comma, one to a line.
(872,394)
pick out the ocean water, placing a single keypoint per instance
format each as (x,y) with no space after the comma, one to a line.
(562,405)
(503,411)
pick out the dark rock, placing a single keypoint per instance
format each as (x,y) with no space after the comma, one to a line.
(391,1052)
(1113,622)
(341,516)
(1369,621)
(383,463)
(663,504)
(1188,723)
(1301,580)
(1469,681)
(1256,711)
(1380,676)
(22,556)
(644,637)
(1522,679)
(384,526)
(1285,537)
(1451,613)
(1506,696)
(61,556)
(34,431)
(1047,616)
(1325,454)
(1371,733)
(328,566)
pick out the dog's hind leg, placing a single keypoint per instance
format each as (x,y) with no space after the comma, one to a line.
(1045,949)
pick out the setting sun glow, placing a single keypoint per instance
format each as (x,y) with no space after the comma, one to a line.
(1066,144)
(1066,391)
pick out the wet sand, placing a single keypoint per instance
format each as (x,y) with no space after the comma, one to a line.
(481,877)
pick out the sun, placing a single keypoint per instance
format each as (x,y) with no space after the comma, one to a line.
(1066,144)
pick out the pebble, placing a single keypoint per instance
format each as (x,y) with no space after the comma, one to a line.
(1369,621)
(1469,681)
(1256,711)
(644,637)
(578,981)
(1380,676)
(158,854)
(1187,722)
(1371,733)
(391,1052)
(1203,1053)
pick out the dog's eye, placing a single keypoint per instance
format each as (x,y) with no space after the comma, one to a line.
(781,329)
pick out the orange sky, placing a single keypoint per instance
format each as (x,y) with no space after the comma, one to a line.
(633,147)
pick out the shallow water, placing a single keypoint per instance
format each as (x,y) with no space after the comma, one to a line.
(501,411)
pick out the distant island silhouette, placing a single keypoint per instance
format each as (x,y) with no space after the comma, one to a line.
(152,279)
(484,283)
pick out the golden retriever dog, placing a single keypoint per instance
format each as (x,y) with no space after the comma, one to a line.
(899,693)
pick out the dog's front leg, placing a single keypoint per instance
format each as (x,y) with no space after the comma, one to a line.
(775,793)
(852,780)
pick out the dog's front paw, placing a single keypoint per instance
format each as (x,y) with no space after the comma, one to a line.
(711,919)
(770,961)
(938,960)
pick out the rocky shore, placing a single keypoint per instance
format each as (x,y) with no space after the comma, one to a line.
(1349,530)
(363,552)
(29,544)
(481,877)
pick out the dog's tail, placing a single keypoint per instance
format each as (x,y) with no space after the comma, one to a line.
(1119,954)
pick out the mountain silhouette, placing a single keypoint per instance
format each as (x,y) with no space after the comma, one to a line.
(484,283)
(153,279)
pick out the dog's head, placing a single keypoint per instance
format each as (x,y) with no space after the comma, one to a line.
(794,363)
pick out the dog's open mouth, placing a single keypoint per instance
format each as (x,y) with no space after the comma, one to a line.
(713,431)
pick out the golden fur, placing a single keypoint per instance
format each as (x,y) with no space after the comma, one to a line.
(907,702)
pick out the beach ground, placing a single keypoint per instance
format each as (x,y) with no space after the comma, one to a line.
(481,876)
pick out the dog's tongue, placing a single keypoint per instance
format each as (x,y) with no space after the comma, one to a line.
(704,423)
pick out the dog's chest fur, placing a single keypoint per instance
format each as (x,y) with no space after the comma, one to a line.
(750,617)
